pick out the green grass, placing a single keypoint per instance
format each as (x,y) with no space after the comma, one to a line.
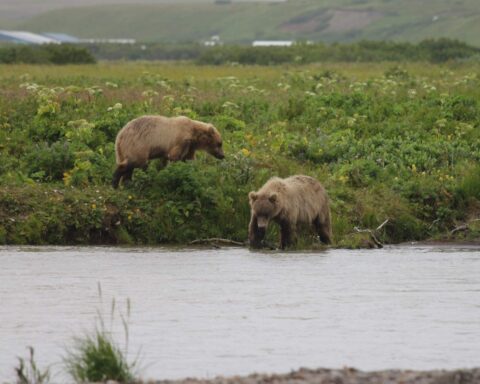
(28,371)
(328,21)
(388,142)
(98,359)
(96,356)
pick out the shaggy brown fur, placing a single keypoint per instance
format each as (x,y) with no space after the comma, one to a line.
(169,138)
(289,202)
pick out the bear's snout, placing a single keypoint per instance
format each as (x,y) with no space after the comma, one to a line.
(220,155)
(262,222)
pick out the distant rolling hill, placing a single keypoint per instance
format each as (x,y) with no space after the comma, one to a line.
(318,20)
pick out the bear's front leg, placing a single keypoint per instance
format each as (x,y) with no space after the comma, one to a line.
(190,154)
(255,234)
(180,151)
(286,234)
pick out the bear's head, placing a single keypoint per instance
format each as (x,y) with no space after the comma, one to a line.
(265,206)
(213,142)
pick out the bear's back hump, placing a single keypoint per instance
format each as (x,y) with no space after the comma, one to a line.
(154,129)
(303,182)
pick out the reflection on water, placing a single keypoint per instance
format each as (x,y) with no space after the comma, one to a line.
(200,312)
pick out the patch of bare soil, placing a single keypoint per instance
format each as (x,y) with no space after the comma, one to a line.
(303,26)
(307,22)
(331,21)
(344,20)
(348,376)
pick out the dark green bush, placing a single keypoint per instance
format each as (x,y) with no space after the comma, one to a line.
(50,162)
(434,50)
(440,50)
(46,54)
(443,49)
(68,54)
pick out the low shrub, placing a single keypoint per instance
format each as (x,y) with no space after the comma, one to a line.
(97,357)
(45,54)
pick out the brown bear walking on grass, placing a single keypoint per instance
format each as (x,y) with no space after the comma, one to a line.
(168,138)
(289,202)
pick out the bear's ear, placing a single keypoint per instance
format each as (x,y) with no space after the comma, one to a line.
(252,196)
(211,129)
(273,198)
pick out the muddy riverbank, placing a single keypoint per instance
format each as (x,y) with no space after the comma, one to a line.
(347,376)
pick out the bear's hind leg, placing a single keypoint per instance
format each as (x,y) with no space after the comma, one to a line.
(323,230)
(116,178)
(127,176)
(123,172)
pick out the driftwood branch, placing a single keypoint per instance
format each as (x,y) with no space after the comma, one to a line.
(381,225)
(372,233)
(216,240)
(463,227)
(460,228)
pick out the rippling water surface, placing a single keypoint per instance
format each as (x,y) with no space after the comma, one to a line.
(204,313)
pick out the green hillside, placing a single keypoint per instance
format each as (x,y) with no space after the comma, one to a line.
(326,20)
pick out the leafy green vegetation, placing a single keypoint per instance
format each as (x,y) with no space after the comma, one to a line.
(436,51)
(387,141)
(243,22)
(97,356)
(28,371)
(45,54)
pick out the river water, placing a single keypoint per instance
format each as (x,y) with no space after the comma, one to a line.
(203,313)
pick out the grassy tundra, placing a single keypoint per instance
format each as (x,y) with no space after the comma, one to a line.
(388,142)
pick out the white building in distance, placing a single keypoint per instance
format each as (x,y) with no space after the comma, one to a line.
(272,43)
(23,37)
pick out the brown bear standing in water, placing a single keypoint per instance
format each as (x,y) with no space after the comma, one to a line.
(289,202)
(169,138)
